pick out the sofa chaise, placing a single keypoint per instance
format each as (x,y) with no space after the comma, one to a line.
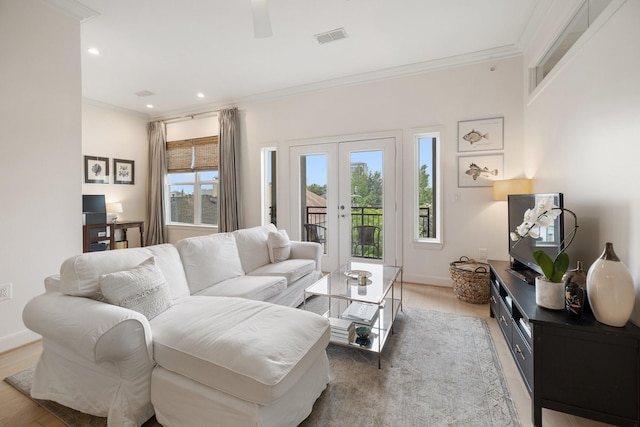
(189,332)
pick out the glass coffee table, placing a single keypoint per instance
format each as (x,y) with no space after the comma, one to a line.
(354,302)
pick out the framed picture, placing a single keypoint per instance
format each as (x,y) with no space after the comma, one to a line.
(96,170)
(480,171)
(480,135)
(123,171)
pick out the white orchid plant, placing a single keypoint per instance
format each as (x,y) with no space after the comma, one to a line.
(543,214)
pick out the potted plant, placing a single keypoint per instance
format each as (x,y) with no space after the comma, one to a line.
(549,287)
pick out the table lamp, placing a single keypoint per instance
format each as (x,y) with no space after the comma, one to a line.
(114,208)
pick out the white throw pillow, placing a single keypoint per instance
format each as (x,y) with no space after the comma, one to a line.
(208,260)
(143,289)
(279,246)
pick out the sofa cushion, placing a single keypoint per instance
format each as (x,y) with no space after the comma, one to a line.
(252,246)
(208,260)
(252,350)
(143,289)
(80,274)
(258,288)
(169,262)
(291,269)
(279,246)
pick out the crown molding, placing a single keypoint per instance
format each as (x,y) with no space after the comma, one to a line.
(451,62)
(114,108)
(393,73)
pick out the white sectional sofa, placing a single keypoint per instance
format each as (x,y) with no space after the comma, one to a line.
(186,331)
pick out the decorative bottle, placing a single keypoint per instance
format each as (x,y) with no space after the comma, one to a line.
(576,300)
(610,289)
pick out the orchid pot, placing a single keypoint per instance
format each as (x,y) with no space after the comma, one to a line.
(549,294)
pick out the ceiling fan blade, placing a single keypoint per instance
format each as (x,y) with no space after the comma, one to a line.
(261,21)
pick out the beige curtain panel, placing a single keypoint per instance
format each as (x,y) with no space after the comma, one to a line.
(228,197)
(156,229)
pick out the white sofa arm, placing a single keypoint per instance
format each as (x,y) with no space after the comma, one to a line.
(97,331)
(307,250)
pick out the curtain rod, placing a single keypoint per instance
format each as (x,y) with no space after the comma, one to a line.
(191,116)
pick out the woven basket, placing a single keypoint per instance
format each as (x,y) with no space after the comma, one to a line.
(470,280)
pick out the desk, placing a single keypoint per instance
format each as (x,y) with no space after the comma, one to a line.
(88,241)
(110,237)
(124,225)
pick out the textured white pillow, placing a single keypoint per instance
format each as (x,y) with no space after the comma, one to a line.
(143,289)
(279,246)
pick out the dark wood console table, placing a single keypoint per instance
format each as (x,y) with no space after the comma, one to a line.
(579,367)
(87,239)
(124,225)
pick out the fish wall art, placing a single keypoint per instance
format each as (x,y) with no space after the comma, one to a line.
(480,171)
(481,135)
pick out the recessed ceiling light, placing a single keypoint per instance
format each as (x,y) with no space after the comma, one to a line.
(200,95)
(149,105)
(93,51)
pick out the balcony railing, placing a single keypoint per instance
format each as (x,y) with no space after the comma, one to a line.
(368,215)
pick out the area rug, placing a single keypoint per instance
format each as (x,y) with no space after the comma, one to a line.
(438,369)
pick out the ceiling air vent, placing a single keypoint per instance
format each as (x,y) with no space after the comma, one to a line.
(76,9)
(331,36)
(144,93)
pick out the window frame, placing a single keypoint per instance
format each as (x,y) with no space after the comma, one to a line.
(559,51)
(436,185)
(269,169)
(197,197)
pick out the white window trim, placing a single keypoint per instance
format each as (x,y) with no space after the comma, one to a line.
(197,217)
(430,242)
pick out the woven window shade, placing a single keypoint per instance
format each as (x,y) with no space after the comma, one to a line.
(205,153)
(192,155)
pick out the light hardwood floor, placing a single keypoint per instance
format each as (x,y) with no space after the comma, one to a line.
(16,410)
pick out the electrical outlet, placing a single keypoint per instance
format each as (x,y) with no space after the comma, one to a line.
(483,254)
(5,291)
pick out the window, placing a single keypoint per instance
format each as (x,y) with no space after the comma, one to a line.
(269,186)
(193,181)
(427,187)
(583,18)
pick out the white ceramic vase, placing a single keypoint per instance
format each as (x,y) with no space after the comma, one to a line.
(610,289)
(549,294)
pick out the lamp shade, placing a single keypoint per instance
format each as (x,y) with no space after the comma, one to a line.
(114,208)
(502,188)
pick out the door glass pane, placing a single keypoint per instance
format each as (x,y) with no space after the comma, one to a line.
(366,204)
(314,203)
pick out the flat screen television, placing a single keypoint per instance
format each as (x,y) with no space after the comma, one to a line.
(551,238)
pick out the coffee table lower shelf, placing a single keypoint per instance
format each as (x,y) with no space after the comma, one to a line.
(381,329)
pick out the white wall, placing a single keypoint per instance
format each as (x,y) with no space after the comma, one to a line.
(471,218)
(115,134)
(582,130)
(40,153)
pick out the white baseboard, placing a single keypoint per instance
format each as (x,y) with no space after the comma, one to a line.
(428,280)
(18,339)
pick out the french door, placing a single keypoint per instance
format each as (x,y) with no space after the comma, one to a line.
(343,195)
